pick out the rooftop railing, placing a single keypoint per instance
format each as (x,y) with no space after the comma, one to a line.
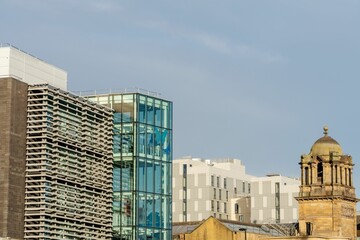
(117,91)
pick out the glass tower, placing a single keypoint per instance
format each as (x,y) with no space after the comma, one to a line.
(142,173)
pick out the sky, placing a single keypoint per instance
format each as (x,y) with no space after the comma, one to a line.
(254,80)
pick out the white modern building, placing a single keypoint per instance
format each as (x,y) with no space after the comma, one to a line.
(203,188)
(22,66)
(222,188)
(273,199)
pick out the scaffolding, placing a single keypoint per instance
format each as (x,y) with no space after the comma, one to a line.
(69,162)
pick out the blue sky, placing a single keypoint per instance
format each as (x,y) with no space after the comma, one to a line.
(254,80)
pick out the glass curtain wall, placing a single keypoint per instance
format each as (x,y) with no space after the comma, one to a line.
(142,166)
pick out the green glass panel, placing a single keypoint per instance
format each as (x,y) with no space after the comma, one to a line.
(142,140)
(157,112)
(142,209)
(142,175)
(127,209)
(157,175)
(150,111)
(149,176)
(150,141)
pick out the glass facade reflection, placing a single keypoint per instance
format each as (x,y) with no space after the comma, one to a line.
(142,165)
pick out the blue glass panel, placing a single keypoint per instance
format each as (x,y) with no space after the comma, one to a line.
(149,210)
(170,115)
(142,140)
(166,146)
(149,176)
(164,211)
(157,174)
(142,175)
(157,143)
(149,234)
(127,143)
(117,117)
(165,115)
(157,234)
(157,210)
(158,113)
(142,111)
(142,234)
(142,210)
(116,141)
(116,179)
(116,213)
(126,176)
(127,209)
(127,109)
(165,177)
(150,142)
(150,111)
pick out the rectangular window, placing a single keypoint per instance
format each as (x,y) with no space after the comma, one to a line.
(212,205)
(218,181)
(241,218)
(236,208)
(235,190)
(249,188)
(212,180)
(225,183)
(219,194)
(218,206)
(214,193)
(227,195)
(224,207)
(243,187)
(184,169)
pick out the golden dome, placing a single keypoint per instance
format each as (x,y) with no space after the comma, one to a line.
(325,145)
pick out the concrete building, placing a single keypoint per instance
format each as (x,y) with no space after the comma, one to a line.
(203,188)
(273,199)
(142,164)
(222,188)
(55,155)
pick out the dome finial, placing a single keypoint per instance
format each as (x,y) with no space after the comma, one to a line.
(326,129)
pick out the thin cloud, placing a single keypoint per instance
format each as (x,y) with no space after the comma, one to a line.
(105,6)
(215,43)
(99,6)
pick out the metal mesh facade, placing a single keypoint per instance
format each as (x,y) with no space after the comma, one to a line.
(69,163)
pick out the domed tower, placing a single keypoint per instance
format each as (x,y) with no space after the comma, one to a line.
(327,201)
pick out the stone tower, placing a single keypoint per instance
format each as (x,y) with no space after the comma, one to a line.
(327,201)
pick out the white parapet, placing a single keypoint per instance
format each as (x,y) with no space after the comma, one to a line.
(29,69)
